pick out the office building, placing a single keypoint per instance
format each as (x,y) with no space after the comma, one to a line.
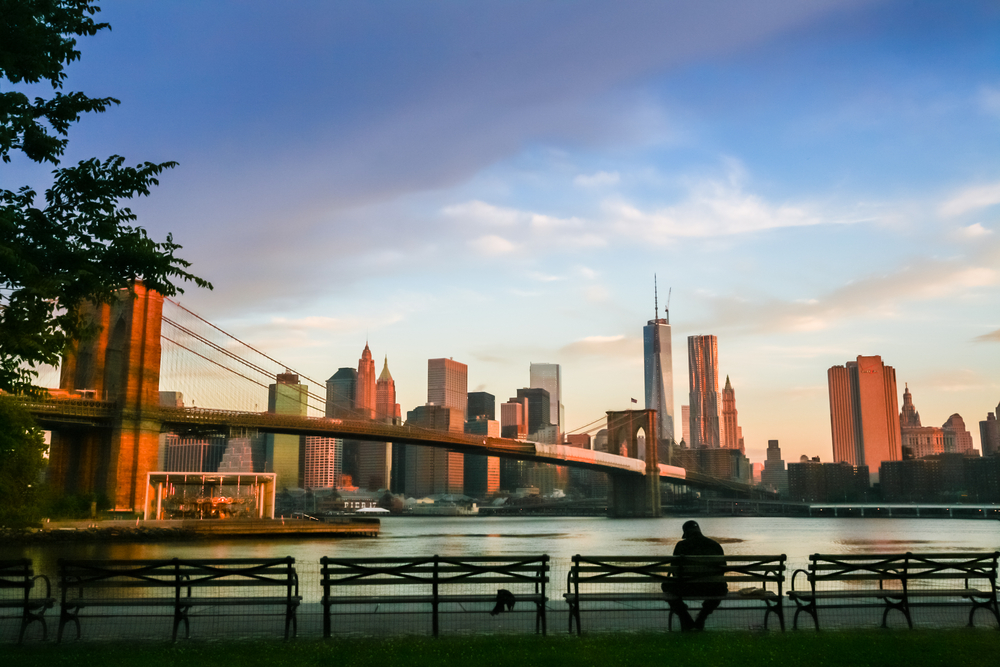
(658,373)
(703,375)
(482,473)
(364,395)
(732,433)
(194,454)
(375,458)
(322,465)
(864,413)
(340,391)
(957,439)
(989,434)
(578,440)
(285,452)
(448,384)
(539,404)
(481,404)
(774,474)
(514,419)
(433,470)
(548,377)
(686,425)
(917,441)
(812,481)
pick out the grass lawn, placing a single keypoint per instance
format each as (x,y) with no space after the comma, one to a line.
(952,648)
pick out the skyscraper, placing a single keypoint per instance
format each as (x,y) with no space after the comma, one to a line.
(658,372)
(284,452)
(448,384)
(774,474)
(732,434)
(989,434)
(340,391)
(548,377)
(864,417)
(375,458)
(703,374)
(428,469)
(364,397)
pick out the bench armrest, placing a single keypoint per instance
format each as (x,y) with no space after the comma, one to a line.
(805,573)
(48,584)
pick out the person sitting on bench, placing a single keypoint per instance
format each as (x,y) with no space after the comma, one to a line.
(693,543)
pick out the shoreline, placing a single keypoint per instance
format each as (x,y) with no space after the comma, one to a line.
(119,530)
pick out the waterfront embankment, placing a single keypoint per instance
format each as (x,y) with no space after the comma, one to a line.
(124,531)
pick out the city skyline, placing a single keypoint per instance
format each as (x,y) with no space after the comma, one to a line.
(500,185)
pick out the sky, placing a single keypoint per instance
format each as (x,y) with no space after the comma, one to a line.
(498,182)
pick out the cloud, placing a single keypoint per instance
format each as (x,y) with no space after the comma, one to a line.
(989,99)
(878,296)
(992,337)
(482,213)
(713,208)
(971,199)
(493,245)
(975,231)
(599,179)
(618,346)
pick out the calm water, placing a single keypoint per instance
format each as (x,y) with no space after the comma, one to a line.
(562,537)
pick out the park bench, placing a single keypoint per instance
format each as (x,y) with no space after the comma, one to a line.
(635,582)
(17,580)
(176,586)
(897,581)
(436,581)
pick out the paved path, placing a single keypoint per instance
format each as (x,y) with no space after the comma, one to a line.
(368,621)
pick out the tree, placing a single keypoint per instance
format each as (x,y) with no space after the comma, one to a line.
(81,244)
(21,448)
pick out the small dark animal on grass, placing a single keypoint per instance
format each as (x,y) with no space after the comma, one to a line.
(504,599)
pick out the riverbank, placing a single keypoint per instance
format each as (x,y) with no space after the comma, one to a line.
(928,648)
(125,531)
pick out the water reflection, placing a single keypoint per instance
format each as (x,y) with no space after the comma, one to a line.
(562,537)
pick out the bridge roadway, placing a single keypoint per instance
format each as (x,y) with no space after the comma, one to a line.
(70,413)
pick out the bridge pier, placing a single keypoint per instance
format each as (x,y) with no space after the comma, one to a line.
(631,494)
(121,364)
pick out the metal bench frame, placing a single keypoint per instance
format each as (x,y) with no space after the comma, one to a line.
(16,575)
(429,578)
(181,578)
(894,575)
(767,571)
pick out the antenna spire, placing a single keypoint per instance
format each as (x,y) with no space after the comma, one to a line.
(656,300)
(666,309)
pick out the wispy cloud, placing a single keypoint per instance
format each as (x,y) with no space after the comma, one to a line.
(597,180)
(492,245)
(712,207)
(971,199)
(880,296)
(617,346)
(991,337)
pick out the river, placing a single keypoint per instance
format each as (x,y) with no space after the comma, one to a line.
(562,537)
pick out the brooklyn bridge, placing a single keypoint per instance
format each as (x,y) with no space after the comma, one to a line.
(106,416)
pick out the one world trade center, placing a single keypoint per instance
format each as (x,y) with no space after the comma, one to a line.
(658,371)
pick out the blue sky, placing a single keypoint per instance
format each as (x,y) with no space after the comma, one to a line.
(498,182)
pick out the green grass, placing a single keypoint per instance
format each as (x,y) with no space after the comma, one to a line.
(952,648)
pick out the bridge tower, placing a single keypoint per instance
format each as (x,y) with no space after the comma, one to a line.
(119,364)
(629,494)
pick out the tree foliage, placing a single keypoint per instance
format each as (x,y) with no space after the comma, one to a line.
(79,243)
(22,447)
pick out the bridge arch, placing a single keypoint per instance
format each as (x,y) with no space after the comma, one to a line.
(632,494)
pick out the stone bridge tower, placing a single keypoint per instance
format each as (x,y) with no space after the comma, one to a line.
(630,494)
(119,364)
